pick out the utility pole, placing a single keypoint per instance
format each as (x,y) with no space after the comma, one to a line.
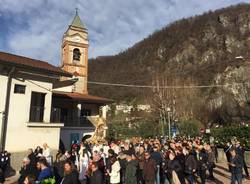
(169,124)
(6,110)
(164,123)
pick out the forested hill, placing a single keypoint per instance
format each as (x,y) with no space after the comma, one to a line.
(213,48)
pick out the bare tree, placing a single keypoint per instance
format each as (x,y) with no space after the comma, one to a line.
(178,95)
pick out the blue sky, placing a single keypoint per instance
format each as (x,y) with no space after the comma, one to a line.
(34,28)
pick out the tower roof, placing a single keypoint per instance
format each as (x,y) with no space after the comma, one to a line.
(77,21)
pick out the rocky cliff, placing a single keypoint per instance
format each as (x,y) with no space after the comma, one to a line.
(211,49)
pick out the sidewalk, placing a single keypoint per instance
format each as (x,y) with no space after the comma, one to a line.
(223,176)
(12,180)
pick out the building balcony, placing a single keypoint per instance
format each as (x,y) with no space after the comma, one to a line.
(69,121)
(36,118)
(77,122)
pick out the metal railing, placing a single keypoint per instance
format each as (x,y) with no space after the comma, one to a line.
(36,114)
(77,122)
(55,116)
(69,121)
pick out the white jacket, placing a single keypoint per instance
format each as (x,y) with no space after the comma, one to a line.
(115,172)
(47,155)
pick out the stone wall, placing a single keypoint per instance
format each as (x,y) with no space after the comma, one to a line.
(247,158)
(222,156)
(16,159)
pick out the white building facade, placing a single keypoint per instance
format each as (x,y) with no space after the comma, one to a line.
(25,105)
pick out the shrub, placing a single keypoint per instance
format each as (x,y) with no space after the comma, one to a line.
(122,129)
(189,128)
(226,134)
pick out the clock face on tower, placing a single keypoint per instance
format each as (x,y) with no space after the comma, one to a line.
(77,39)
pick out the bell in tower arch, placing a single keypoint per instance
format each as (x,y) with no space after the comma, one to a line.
(76,54)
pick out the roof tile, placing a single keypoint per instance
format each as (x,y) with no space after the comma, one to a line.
(22,61)
(83,97)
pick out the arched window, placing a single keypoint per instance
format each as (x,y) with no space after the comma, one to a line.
(76,54)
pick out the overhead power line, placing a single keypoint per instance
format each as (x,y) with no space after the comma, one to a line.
(151,86)
(163,87)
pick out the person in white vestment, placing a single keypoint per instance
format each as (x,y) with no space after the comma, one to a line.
(84,161)
(47,153)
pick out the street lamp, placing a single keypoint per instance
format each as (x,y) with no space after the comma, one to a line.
(169,126)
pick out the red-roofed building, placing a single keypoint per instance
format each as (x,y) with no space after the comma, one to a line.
(42,103)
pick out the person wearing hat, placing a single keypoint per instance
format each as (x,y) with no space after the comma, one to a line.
(131,169)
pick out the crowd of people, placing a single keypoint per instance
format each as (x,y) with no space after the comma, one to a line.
(137,161)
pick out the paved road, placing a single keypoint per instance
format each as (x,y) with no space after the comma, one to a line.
(12,179)
(221,174)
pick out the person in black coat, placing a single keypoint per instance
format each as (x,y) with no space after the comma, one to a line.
(131,168)
(3,166)
(96,176)
(58,170)
(240,151)
(38,151)
(202,158)
(174,165)
(236,164)
(33,159)
(157,156)
(26,170)
(123,163)
(190,165)
(111,155)
(71,175)
(2,178)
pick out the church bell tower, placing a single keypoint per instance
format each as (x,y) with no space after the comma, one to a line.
(75,53)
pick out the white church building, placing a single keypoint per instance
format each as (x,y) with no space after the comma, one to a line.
(42,103)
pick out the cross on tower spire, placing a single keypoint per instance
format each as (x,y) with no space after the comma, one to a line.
(77,21)
(76,10)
